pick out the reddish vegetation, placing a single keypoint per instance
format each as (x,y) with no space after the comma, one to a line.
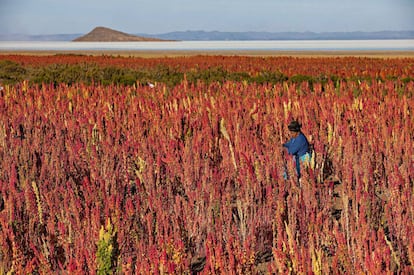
(341,67)
(196,171)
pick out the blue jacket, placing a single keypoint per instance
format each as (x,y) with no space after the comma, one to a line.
(297,146)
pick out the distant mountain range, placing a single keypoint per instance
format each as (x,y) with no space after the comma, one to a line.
(216,35)
(105,34)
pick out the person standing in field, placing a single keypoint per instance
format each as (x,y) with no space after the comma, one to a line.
(298,146)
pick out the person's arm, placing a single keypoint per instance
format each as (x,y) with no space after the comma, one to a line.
(287,144)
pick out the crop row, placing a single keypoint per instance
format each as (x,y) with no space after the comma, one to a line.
(313,66)
(171,71)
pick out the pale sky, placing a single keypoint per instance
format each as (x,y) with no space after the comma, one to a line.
(162,16)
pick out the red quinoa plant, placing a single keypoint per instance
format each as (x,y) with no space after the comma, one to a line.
(196,172)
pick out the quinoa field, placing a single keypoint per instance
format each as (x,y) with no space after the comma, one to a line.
(174,165)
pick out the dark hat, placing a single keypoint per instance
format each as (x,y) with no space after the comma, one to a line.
(294,126)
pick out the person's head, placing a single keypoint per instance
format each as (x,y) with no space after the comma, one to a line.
(294,128)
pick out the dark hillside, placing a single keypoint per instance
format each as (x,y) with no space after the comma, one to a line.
(102,34)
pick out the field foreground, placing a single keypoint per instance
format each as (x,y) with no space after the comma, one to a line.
(102,172)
